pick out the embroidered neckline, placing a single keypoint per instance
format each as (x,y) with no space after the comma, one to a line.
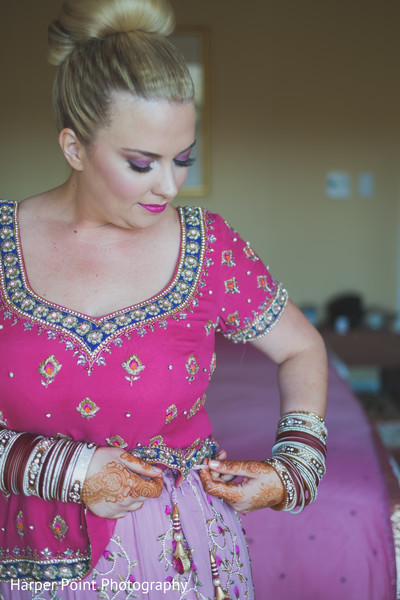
(94,334)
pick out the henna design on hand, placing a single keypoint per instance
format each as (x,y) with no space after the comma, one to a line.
(132,459)
(114,483)
(252,493)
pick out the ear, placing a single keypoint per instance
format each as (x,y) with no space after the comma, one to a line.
(72,148)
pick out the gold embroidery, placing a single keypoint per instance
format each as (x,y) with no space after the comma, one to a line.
(133,366)
(192,367)
(196,406)
(87,408)
(117,441)
(263,283)
(19,523)
(249,252)
(3,420)
(48,369)
(231,286)
(156,441)
(171,413)
(227,258)
(59,527)
(213,364)
(233,319)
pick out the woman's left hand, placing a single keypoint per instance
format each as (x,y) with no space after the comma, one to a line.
(260,486)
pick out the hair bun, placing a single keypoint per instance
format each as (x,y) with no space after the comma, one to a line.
(83,20)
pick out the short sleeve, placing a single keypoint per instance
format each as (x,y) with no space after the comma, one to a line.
(251,300)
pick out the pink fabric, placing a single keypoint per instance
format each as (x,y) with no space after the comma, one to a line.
(339,547)
(136,377)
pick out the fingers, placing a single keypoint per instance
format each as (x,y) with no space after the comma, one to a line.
(133,463)
(145,488)
(232,492)
(250,468)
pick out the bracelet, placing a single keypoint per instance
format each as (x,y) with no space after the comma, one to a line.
(298,457)
(52,469)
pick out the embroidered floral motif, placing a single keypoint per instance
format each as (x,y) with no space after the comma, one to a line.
(156,441)
(48,369)
(117,441)
(213,364)
(210,326)
(3,420)
(233,319)
(231,286)
(191,367)
(262,281)
(133,366)
(227,258)
(264,321)
(196,406)
(19,523)
(249,252)
(44,565)
(92,335)
(87,408)
(59,527)
(171,413)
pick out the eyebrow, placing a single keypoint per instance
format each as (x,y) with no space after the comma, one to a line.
(153,154)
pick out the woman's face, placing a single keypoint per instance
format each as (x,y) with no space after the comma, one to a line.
(137,164)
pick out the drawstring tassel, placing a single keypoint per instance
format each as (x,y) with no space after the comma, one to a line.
(219,592)
(181,560)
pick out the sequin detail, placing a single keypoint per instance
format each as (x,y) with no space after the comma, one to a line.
(133,366)
(116,441)
(93,335)
(192,368)
(49,369)
(262,282)
(213,364)
(233,319)
(19,523)
(227,258)
(59,527)
(170,413)
(156,441)
(231,286)
(87,408)
(263,322)
(180,459)
(196,406)
(249,252)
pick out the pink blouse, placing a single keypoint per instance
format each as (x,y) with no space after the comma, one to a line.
(136,377)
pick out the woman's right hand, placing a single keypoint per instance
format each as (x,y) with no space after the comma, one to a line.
(118,483)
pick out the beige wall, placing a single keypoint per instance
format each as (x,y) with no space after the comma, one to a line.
(297,89)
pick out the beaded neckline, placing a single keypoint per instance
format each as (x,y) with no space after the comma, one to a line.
(93,334)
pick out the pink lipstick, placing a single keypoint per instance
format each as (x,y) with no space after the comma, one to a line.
(154,208)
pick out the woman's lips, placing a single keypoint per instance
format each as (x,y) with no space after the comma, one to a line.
(154,208)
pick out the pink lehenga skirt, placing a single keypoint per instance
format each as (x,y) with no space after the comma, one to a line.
(184,545)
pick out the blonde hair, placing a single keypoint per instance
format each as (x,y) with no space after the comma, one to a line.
(107,46)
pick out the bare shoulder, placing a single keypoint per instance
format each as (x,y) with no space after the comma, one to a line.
(40,208)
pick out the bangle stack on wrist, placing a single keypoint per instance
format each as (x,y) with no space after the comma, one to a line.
(298,457)
(49,468)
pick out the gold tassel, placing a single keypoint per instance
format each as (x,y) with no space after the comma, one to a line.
(181,561)
(219,592)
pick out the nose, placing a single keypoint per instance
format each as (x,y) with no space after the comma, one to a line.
(166,184)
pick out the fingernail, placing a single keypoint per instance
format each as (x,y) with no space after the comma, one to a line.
(214,463)
(156,470)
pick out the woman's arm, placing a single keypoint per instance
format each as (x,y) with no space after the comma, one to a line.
(300,353)
(297,347)
(110,482)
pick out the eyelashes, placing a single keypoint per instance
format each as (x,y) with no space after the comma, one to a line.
(140,167)
(184,163)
